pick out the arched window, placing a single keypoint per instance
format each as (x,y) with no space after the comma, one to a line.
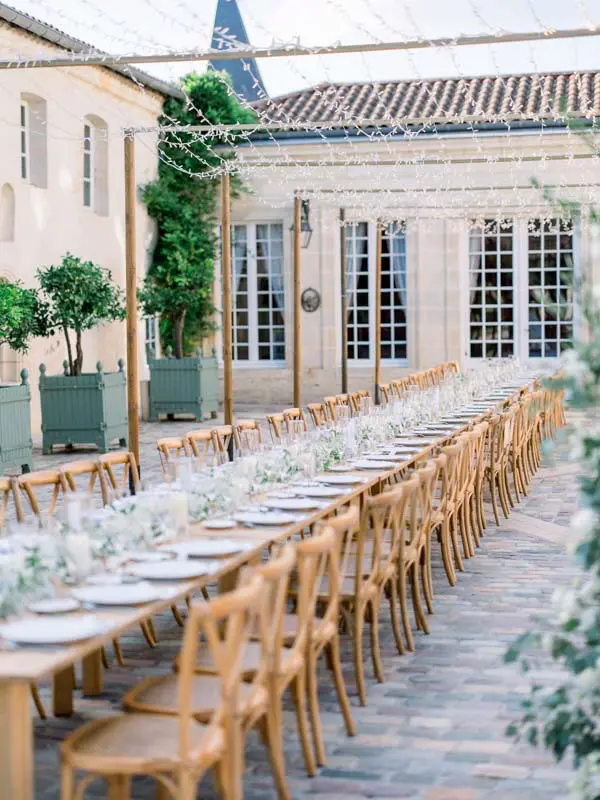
(34,140)
(7,213)
(95,164)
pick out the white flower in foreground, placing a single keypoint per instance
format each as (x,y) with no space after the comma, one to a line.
(584,523)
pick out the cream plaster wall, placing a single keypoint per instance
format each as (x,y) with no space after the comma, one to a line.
(492,177)
(51,221)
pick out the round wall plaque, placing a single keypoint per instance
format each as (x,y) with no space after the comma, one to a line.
(310,299)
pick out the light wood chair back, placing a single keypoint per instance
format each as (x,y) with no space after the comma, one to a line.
(5,493)
(199,442)
(247,434)
(384,392)
(318,414)
(27,485)
(276,576)
(330,403)
(294,415)
(337,564)
(276,424)
(170,449)
(222,437)
(117,471)
(225,624)
(312,559)
(85,468)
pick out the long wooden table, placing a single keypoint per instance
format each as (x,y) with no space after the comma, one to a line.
(21,666)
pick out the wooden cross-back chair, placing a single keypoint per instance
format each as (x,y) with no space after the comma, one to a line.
(384,392)
(118,472)
(331,403)
(369,568)
(324,631)
(27,485)
(247,434)
(199,442)
(170,449)
(176,749)
(448,507)
(496,470)
(83,469)
(276,423)
(5,493)
(318,414)
(475,492)
(222,437)
(466,441)
(294,415)
(159,695)
(355,398)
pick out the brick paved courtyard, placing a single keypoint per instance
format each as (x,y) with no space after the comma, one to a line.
(435,729)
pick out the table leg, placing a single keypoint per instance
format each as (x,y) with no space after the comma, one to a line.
(62,693)
(92,674)
(16,741)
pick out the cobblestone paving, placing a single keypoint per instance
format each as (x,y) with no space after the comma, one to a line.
(435,729)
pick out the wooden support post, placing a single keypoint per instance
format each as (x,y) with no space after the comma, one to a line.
(344,304)
(378,255)
(226,298)
(133,386)
(297,303)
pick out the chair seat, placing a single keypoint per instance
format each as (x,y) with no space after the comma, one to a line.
(139,743)
(161,696)
(291,662)
(321,631)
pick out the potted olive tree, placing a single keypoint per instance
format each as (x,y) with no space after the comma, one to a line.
(81,407)
(22,316)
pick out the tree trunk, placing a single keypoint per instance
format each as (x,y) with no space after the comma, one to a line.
(69,351)
(178,325)
(79,359)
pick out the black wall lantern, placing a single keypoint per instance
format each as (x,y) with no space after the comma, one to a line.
(306,230)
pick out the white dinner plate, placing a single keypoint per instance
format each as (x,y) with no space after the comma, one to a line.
(418,443)
(208,548)
(54,605)
(292,504)
(340,468)
(260,518)
(125,594)
(340,480)
(322,491)
(219,524)
(378,465)
(63,630)
(146,555)
(175,570)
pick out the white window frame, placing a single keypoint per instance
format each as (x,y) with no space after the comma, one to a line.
(371,257)
(252,309)
(25,133)
(89,156)
(520,271)
(151,335)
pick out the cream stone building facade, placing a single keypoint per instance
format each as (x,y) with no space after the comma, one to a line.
(61,178)
(478,261)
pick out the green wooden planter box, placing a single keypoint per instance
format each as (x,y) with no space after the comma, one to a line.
(184,386)
(15,426)
(84,409)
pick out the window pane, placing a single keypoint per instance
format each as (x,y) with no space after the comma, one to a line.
(357,289)
(549,300)
(394,301)
(491,264)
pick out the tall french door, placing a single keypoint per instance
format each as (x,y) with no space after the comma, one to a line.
(521,288)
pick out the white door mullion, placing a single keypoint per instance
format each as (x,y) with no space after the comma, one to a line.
(372,235)
(252,295)
(521,284)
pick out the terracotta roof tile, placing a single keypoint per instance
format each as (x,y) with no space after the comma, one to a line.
(442,101)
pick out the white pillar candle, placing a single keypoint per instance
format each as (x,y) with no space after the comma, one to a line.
(178,505)
(79,551)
